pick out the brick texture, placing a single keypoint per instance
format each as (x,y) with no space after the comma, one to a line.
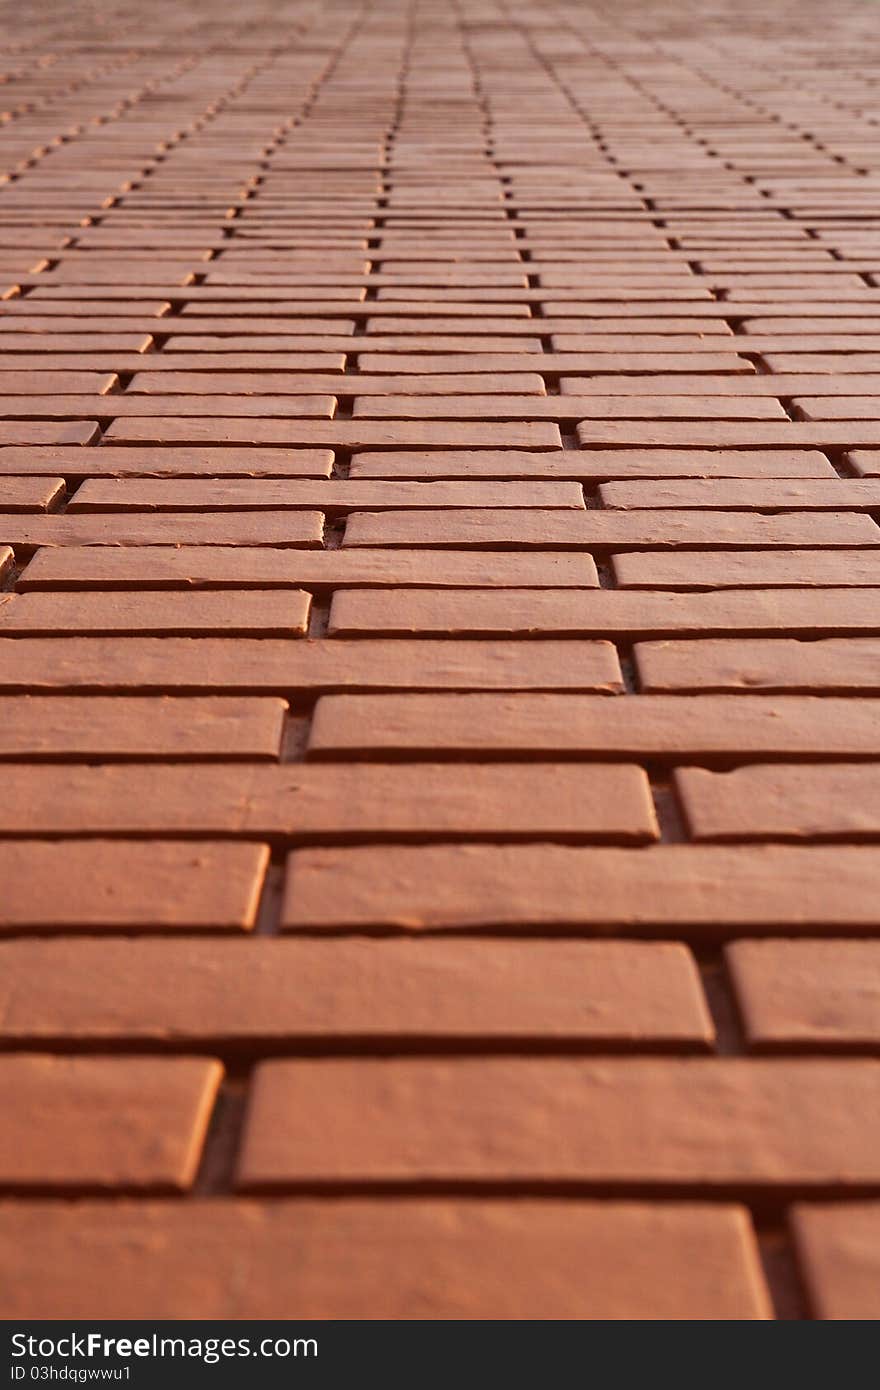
(440,661)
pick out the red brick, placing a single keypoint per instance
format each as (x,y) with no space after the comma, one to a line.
(261,382)
(371,1259)
(704,386)
(601,612)
(75,1123)
(542,434)
(335,496)
(837,1253)
(239,995)
(169,365)
(761,667)
(223,567)
(746,569)
(866,462)
(247,310)
(837,408)
(613,360)
(835,495)
(30,494)
(109,461)
(81,339)
(761,888)
(659,726)
(33,726)
(595,464)
(728,434)
(487,527)
(134,406)
(617,1123)
(831,801)
(818,995)
(96,885)
(565,330)
(48,432)
(270,612)
(634,407)
(831,362)
(60,383)
(668,335)
(290,528)
(271,666)
(602,464)
(604,803)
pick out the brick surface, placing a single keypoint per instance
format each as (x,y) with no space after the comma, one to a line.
(36,727)
(369,1259)
(608,802)
(243,494)
(223,567)
(272,666)
(148,887)
(631,615)
(74,463)
(97,1122)
(471,886)
(597,464)
(783,801)
(747,569)
(613,1122)
(838,1251)
(439,653)
(597,529)
(237,994)
(829,666)
(811,994)
(659,726)
(269,611)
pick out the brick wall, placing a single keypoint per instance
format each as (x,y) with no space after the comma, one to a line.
(440,660)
